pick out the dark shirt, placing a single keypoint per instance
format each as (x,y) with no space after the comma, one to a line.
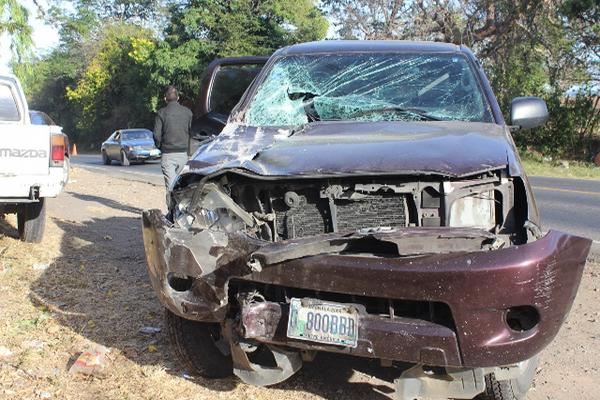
(172,128)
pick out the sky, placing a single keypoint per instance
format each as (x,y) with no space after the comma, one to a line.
(44,36)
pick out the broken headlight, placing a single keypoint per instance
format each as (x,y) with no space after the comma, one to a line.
(477,210)
(211,208)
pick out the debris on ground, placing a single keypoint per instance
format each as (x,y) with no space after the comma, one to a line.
(5,352)
(34,344)
(92,362)
(149,330)
(41,266)
(43,394)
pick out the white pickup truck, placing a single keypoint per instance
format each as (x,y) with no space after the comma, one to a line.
(33,162)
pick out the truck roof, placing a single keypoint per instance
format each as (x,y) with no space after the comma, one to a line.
(8,77)
(361,46)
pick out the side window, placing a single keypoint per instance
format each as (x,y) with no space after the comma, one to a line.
(117,137)
(229,84)
(8,105)
(37,118)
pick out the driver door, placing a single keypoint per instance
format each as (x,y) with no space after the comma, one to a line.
(225,81)
(114,149)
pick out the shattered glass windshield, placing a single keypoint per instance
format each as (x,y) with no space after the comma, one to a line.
(369,87)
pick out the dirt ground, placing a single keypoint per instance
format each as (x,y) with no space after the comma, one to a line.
(86,285)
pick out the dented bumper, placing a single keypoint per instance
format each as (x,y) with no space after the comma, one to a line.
(192,271)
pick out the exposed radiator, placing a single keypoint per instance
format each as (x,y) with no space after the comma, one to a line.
(312,216)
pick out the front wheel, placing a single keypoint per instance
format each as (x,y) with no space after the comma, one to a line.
(124,159)
(31,221)
(510,389)
(105,158)
(200,346)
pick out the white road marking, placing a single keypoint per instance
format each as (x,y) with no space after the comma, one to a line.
(117,170)
(553,189)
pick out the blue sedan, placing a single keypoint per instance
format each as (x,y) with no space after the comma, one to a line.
(128,145)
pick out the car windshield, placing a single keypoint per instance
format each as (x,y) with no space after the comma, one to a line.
(137,135)
(369,87)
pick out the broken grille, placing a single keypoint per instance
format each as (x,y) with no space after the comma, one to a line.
(436,312)
(309,214)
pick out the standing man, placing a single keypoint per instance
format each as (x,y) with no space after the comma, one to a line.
(171,133)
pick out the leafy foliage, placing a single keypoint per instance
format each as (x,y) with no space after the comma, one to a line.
(206,29)
(112,89)
(14,21)
(116,56)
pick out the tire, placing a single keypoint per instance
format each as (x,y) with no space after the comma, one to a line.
(105,158)
(194,344)
(512,389)
(124,160)
(66,170)
(31,221)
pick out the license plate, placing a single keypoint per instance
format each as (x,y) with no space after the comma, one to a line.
(323,322)
(154,152)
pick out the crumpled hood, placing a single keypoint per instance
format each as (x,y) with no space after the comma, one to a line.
(358,148)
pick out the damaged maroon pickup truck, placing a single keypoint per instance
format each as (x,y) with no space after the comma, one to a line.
(363,198)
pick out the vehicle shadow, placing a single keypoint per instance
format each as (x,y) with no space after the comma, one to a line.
(99,288)
(8,229)
(107,202)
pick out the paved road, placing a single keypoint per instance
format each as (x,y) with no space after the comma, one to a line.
(147,172)
(571,205)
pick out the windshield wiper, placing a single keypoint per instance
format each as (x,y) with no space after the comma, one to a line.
(407,110)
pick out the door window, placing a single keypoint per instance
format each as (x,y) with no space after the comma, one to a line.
(8,106)
(229,84)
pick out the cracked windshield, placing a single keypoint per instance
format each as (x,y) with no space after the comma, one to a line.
(369,87)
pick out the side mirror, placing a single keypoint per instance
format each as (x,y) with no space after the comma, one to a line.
(528,112)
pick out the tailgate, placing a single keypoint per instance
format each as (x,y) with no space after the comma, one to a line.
(25,150)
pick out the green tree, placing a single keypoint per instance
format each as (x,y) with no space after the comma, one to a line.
(14,22)
(205,29)
(116,56)
(113,92)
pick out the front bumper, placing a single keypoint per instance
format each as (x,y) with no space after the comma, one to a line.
(139,155)
(191,273)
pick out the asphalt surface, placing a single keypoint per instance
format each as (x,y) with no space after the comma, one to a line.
(570,205)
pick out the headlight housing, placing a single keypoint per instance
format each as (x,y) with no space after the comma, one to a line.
(477,210)
(210,209)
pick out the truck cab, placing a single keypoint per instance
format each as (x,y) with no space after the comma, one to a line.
(33,161)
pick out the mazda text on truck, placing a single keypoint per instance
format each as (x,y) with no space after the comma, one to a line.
(33,162)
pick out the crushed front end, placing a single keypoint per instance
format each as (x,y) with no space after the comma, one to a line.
(436,271)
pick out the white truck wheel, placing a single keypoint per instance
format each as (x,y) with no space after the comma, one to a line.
(31,220)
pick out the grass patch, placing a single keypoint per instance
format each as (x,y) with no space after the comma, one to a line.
(537,166)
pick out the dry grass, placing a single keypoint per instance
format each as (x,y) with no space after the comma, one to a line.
(537,166)
(96,292)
